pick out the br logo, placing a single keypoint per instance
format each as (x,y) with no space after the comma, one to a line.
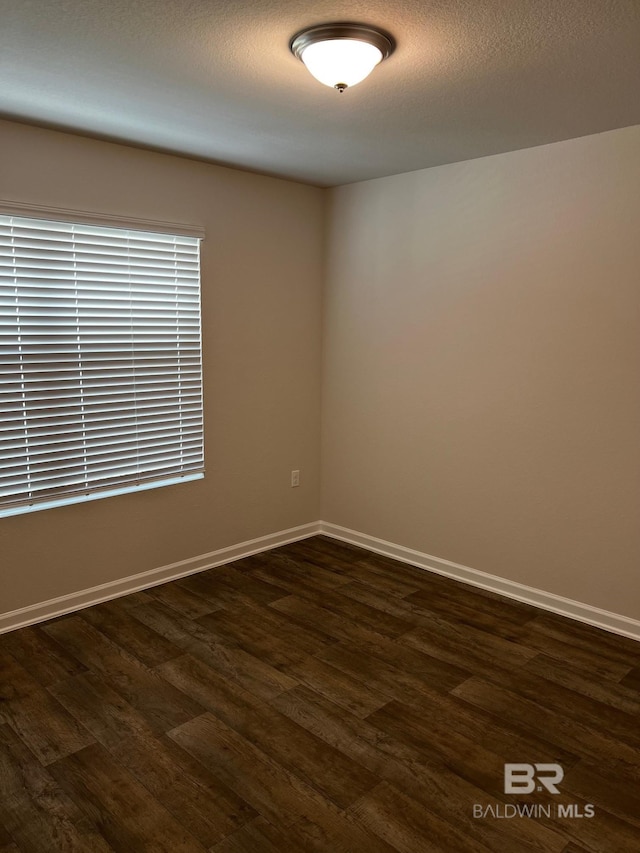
(525,778)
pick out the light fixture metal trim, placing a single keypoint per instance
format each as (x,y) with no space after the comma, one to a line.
(382,42)
(327,32)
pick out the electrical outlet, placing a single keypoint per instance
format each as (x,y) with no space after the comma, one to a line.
(295,478)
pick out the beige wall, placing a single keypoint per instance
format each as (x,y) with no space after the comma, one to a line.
(481,400)
(261,291)
(481,397)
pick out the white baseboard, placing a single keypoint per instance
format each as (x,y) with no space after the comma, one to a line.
(577,610)
(134,583)
(613,622)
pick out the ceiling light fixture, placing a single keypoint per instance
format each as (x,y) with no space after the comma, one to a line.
(341,55)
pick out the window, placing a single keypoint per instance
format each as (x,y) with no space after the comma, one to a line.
(100,361)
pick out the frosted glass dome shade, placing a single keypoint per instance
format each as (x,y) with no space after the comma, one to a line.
(341,55)
(341,62)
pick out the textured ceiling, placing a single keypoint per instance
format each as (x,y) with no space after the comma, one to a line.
(215,80)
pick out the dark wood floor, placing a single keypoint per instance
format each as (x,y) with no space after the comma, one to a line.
(314,698)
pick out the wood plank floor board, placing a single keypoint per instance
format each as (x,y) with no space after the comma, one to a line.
(128,602)
(307,612)
(467,646)
(337,833)
(602,665)
(169,623)
(605,833)
(5,838)
(426,779)
(406,826)
(286,561)
(582,682)
(371,644)
(328,770)
(316,698)
(585,740)
(382,581)
(347,607)
(247,670)
(433,583)
(44,658)
(603,784)
(182,786)
(622,726)
(279,795)
(306,587)
(189,792)
(162,705)
(587,637)
(241,625)
(417,614)
(475,598)
(337,686)
(477,611)
(309,636)
(337,603)
(230,578)
(42,723)
(383,563)
(226,585)
(180,599)
(323,549)
(141,642)
(243,633)
(250,839)
(338,836)
(128,816)
(46,829)
(440,675)
(483,769)
(389,679)
(288,577)
(335,556)
(101,710)
(632,679)
(33,808)
(15,681)
(476,752)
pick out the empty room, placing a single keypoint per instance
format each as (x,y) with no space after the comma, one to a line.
(319,426)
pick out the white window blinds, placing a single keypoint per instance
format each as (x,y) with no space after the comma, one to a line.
(100,360)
